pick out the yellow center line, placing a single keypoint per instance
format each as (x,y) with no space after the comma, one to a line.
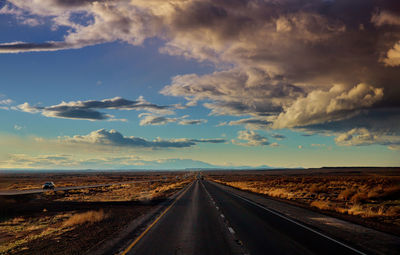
(153,223)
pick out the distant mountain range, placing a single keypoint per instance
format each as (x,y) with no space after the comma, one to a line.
(165,164)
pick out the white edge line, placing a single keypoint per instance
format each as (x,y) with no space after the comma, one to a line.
(299,224)
(231,230)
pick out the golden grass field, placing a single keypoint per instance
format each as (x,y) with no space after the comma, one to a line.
(75,221)
(370,194)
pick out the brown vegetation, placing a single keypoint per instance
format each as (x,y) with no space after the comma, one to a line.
(35,180)
(86,217)
(371,195)
(76,221)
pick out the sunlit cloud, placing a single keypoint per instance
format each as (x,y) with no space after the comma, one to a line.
(112,137)
(251,138)
(311,65)
(157,120)
(362,137)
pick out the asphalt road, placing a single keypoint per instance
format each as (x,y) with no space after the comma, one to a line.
(193,225)
(34,191)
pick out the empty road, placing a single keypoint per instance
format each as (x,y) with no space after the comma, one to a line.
(207,219)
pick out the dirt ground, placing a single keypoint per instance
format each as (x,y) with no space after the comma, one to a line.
(368,196)
(75,221)
(34,180)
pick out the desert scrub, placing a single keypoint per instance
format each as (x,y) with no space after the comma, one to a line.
(373,197)
(16,232)
(86,217)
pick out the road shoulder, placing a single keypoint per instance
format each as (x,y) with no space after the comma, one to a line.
(120,242)
(368,239)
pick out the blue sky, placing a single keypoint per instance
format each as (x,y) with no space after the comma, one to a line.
(154,85)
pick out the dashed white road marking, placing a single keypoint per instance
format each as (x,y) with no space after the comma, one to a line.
(233,233)
(297,223)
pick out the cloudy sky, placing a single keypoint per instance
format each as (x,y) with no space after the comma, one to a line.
(118,84)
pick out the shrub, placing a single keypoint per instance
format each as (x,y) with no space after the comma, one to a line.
(346,194)
(86,217)
(318,188)
(323,205)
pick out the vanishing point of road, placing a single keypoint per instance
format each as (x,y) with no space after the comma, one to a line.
(207,219)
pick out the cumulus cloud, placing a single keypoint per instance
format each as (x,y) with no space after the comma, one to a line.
(275,144)
(252,139)
(112,137)
(362,136)
(106,21)
(273,58)
(389,18)
(88,109)
(385,17)
(148,119)
(235,92)
(325,106)
(393,56)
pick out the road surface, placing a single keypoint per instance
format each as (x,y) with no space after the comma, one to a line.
(207,219)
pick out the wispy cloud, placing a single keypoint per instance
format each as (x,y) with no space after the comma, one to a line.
(5,102)
(278,136)
(18,127)
(114,138)
(192,122)
(157,120)
(67,161)
(253,123)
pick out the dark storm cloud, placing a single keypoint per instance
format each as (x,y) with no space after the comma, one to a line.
(87,109)
(22,47)
(278,136)
(290,63)
(192,122)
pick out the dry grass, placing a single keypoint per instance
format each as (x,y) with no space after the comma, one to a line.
(368,195)
(125,192)
(49,228)
(17,232)
(323,205)
(32,180)
(86,217)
